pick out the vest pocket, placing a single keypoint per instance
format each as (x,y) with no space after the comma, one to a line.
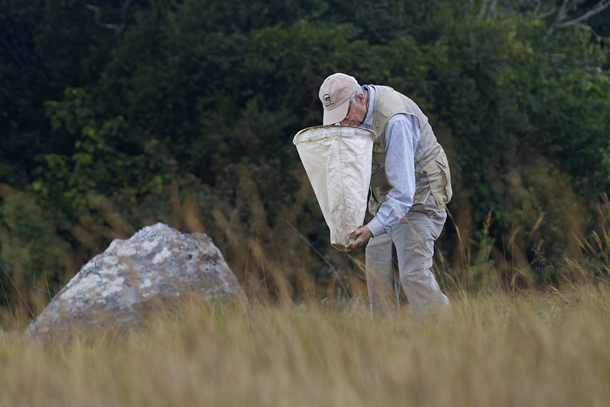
(439,177)
(378,194)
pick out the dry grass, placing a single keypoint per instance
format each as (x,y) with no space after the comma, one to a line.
(495,350)
(503,348)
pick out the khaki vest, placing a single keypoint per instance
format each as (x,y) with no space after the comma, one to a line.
(432,174)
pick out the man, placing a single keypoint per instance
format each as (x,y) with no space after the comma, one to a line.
(410,186)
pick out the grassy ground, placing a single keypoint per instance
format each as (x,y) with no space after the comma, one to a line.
(530,349)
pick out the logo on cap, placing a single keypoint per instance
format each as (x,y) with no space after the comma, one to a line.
(327,101)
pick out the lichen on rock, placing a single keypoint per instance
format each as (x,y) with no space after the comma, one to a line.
(157,263)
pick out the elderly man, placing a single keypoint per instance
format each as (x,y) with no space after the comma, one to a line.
(410,186)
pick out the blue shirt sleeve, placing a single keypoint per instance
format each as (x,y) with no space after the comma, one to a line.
(401,140)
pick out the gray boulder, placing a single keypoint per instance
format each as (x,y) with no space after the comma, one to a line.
(156,265)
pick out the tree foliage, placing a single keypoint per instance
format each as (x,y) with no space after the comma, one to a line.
(123,109)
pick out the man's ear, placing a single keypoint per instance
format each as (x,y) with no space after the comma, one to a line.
(361,98)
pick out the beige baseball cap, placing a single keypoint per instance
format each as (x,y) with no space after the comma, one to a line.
(334,95)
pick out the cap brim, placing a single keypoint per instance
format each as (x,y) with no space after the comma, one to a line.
(336,115)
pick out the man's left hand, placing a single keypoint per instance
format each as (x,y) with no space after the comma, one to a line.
(362,235)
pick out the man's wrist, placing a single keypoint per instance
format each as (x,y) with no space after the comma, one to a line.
(375,227)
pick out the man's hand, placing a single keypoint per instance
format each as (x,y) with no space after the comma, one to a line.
(362,235)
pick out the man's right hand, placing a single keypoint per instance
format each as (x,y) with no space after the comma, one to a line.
(362,235)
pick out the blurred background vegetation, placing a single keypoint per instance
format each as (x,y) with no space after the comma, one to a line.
(119,114)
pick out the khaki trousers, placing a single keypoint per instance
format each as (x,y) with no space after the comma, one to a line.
(413,239)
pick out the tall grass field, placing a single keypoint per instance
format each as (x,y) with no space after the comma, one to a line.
(507,340)
(505,349)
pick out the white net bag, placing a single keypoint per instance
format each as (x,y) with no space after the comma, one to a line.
(338,163)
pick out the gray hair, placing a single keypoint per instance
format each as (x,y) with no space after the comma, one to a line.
(358,90)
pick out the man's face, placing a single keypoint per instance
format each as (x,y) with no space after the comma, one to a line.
(356,112)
